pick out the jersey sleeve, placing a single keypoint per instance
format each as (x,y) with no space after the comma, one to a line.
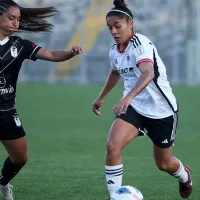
(143,50)
(112,61)
(30,50)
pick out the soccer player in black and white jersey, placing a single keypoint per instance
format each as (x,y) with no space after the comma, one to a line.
(148,102)
(13,51)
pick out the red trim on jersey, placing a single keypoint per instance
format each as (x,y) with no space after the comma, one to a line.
(144,60)
(123,50)
(34,45)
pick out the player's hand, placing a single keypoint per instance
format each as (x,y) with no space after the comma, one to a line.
(76,50)
(96,105)
(122,106)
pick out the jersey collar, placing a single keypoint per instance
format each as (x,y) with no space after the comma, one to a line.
(4,41)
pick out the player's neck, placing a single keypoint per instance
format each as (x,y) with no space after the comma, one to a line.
(125,44)
(3,37)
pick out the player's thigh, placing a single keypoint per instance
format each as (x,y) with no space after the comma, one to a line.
(121,134)
(162,132)
(162,156)
(12,136)
(124,129)
(17,149)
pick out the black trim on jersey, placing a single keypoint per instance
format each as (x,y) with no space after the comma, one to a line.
(113,46)
(135,40)
(155,80)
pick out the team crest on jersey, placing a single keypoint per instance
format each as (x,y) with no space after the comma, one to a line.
(140,50)
(128,58)
(14,52)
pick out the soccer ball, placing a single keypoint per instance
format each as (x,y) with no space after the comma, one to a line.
(127,193)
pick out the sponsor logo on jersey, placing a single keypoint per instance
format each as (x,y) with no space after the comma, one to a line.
(3,88)
(126,70)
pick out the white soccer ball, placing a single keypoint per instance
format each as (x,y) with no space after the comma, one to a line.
(127,193)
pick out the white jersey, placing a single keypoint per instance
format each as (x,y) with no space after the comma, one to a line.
(156,100)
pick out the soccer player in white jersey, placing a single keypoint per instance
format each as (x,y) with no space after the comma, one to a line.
(148,102)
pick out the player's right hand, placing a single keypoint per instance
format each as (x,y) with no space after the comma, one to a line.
(96,105)
(76,50)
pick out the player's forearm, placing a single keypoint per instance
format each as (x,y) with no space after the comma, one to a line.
(59,56)
(145,78)
(112,80)
(54,56)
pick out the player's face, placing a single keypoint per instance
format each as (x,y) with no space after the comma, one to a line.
(120,29)
(9,21)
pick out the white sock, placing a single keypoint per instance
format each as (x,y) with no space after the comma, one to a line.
(181,174)
(114,177)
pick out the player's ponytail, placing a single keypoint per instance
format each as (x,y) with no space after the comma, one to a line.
(119,3)
(32,19)
(120,10)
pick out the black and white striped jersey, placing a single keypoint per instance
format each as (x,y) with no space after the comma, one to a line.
(156,100)
(13,51)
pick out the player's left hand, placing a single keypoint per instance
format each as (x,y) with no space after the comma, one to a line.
(122,106)
(76,50)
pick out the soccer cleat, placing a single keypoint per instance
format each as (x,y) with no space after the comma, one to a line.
(6,192)
(185,189)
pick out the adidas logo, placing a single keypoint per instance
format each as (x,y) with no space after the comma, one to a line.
(110,182)
(165,141)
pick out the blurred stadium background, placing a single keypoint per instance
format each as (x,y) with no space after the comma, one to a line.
(172,25)
(66,141)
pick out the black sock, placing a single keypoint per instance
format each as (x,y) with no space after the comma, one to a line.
(9,171)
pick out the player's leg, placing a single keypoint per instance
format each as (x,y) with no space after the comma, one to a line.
(13,138)
(17,150)
(166,162)
(122,132)
(162,132)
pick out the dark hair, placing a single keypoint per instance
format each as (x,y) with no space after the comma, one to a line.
(120,5)
(32,19)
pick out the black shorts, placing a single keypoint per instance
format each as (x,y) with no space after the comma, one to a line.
(10,126)
(161,131)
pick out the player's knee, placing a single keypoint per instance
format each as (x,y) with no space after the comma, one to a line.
(163,166)
(112,148)
(20,159)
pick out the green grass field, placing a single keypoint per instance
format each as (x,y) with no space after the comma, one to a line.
(67,146)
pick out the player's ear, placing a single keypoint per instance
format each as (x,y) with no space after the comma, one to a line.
(131,23)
